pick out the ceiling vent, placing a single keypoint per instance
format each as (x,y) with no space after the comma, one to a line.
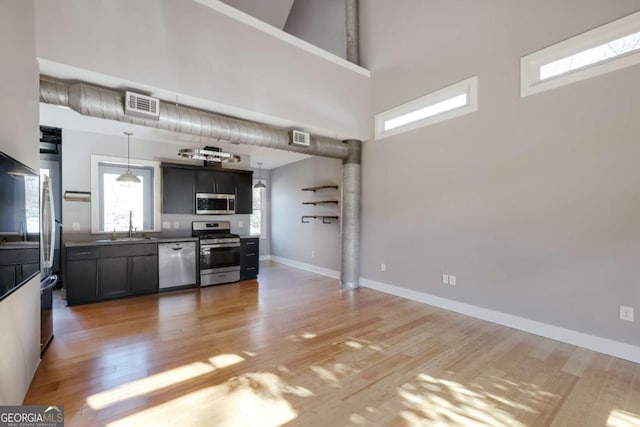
(300,139)
(141,106)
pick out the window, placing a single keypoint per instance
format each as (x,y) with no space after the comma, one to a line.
(111,202)
(258,217)
(607,48)
(453,101)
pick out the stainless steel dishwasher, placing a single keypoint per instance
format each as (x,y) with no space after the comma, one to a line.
(176,264)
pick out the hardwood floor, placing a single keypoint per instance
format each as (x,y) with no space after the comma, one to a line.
(293,349)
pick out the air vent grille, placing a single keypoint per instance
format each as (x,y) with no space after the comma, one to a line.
(300,139)
(142,105)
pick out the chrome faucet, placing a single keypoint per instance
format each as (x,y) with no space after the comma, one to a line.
(130,224)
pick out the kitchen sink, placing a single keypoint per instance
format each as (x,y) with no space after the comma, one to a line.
(126,239)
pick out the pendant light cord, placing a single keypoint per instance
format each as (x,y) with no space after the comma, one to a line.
(128,151)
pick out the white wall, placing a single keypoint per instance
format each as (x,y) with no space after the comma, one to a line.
(290,238)
(20,311)
(189,49)
(322,24)
(533,203)
(77,148)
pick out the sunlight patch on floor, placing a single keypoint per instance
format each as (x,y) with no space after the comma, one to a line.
(148,384)
(161,380)
(620,418)
(223,360)
(251,399)
(432,401)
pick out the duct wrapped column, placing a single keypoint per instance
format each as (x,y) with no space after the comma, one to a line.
(351,185)
(353,38)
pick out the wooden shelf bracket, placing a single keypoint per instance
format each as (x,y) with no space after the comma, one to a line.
(325,219)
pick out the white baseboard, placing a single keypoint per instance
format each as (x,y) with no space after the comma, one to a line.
(309,267)
(590,342)
(264,258)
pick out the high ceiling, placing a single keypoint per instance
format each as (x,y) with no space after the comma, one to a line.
(273,12)
(51,115)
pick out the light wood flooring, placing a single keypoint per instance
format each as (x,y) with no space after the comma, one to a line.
(293,349)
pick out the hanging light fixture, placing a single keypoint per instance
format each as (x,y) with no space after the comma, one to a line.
(208,155)
(128,179)
(260,185)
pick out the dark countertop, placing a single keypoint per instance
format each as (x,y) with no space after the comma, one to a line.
(20,245)
(125,241)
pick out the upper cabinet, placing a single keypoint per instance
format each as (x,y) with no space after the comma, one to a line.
(244,197)
(215,182)
(177,191)
(181,182)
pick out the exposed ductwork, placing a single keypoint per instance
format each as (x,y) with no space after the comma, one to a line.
(95,101)
(353,30)
(350,230)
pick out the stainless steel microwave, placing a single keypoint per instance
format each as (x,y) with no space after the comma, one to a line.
(215,204)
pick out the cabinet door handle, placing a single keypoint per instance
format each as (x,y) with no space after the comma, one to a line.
(251,255)
(251,268)
(250,243)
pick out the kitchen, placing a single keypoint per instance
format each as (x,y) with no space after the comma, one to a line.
(528,201)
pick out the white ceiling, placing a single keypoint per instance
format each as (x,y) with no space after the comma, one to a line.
(65,118)
(273,12)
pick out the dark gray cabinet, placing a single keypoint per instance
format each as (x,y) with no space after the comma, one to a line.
(244,196)
(144,274)
(217,182)
(111,271)
(177,190)
(17,265)
(181,182)
(113,279)
(249,256)
(81,275)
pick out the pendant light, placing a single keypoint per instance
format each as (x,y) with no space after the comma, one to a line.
(128,179)
(260,185)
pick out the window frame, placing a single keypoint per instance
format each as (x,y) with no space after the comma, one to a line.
(263,208)
(530,82)
(96,190)
(469,87)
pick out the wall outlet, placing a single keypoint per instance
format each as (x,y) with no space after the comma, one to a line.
(240,224)
(313,254)
(75,226)
(166,224)
(626,313)
(445,279)
(176,224)
(383,267)
(452,280)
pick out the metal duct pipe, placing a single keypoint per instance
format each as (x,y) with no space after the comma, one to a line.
(353,38)
(350,235)
(108,104)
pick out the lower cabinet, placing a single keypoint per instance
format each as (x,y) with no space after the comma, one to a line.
(114,277)
(144,274)
(110,271)
(81,274)
(249,256)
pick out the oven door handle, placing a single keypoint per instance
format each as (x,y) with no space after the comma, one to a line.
(222,245)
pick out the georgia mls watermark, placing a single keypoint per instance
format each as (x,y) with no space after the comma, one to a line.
(31,416)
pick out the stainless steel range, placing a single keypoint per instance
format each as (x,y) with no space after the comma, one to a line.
(219,252)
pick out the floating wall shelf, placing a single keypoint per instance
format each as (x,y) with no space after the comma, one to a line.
(320,187)
(325,219)
(320,202)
